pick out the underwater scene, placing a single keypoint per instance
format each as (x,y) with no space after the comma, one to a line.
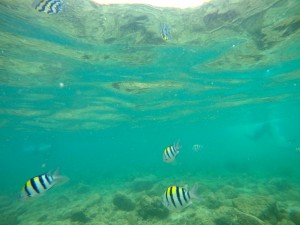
(134,114)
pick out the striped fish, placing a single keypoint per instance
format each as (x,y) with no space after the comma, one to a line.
(179,197)
(165,32)
(39,184)
(48,6)
(171,152)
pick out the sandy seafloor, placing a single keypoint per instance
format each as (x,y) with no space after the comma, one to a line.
(231,198)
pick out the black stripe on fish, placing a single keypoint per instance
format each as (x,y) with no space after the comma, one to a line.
(167,197)
(43,4)
(171,150)
(34,186)
(184,195)
(168,150)
(188,194)
(41,179)
(178,195)
(26,190)
(53,7)
(51,178)
(172,197)
(47,178)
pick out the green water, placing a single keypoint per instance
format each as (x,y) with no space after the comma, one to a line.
(97,92)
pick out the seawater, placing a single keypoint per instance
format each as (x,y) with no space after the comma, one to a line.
(96,92)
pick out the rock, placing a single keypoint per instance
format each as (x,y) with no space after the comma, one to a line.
(294,214)
(247,219)
(262,207)
(285,222)
(151,208)
(122,202)
(225,216)
(9,218)
(280,184)
(230,216)
(79,217)
(211,201)
(229,192)
(282,209)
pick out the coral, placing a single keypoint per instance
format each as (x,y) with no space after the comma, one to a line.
(150,208)
(79,217)
(123,202)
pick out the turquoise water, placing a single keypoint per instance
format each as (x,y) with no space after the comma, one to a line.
(102,98)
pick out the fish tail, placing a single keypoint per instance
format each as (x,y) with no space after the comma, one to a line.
(56,172)
(193,192)
(59,179)
(177,145)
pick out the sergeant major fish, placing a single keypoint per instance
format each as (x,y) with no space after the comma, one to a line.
(40,184)
(48,6)
(165,32)
(176,197)
(171,152)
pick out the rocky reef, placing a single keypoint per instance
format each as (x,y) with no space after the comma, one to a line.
(123,202)
(151,208)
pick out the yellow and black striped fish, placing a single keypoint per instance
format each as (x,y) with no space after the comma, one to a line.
(179,197)
(48,6)
(39,184)
(165,32)
(171,152)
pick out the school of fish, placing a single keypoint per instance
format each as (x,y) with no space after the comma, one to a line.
(175,197)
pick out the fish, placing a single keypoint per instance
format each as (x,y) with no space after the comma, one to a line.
(197,147)
(165,32)
(37,185)
(171,152)
(48,6)
(176,197)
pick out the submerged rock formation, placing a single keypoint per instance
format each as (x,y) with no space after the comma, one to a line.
(263,208)
(151,208)
(123,202)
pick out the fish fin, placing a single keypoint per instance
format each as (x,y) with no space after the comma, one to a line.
(56,172)
(189,204)
(193,192)
(177,144)
(59,179)
(36,3)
